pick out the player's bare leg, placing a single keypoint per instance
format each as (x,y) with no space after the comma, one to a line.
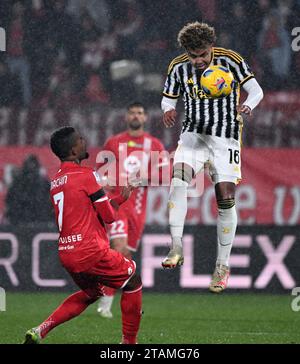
(106,301)
(182,176)
(226,228)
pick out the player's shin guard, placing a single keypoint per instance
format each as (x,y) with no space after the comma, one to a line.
(177,209)
(73,306)
(131,307)
(226,228)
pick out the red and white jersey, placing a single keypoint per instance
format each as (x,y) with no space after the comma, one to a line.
(82,235)
(132,154)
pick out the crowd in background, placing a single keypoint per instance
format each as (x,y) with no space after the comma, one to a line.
(27,199)
(61,51)
(102,54)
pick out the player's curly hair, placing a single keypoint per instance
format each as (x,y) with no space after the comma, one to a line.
(62,141)
(196,36)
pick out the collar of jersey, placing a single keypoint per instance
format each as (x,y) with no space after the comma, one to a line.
(69,164)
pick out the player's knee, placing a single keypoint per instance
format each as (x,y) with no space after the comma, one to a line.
(225,205)
(91,296)
(134,283)
(183,171)
(225,191)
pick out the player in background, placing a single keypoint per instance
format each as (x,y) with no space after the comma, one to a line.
(211,134)
(126,231)
(82,209)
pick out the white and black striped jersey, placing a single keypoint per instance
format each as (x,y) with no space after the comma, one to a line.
(205,115)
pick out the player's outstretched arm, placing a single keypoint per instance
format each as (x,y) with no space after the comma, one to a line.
(123,196)
(103,206)
(107,208)
(255,95)
(168,107)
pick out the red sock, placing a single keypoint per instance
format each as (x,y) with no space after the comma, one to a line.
(131,307)
(108,291)
(70,308)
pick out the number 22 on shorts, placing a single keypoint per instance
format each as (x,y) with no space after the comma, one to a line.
(117,227)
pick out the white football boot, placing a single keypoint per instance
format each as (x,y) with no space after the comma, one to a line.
(219,279)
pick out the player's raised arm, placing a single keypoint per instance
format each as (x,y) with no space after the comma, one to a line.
(171,94)
(255,95)
(105,207)
(168,106)
(122,197)
(245,77)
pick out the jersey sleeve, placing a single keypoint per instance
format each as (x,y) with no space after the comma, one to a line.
(239,67)
(99,198)
(92,183)
(172,84)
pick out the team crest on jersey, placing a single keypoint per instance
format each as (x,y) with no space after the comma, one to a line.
(132,164)
(133,144)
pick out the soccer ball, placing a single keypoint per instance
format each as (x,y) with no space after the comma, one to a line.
(217,81)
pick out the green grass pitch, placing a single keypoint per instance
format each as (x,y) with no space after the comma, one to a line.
(184,318)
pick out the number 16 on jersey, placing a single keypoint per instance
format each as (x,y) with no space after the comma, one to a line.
(234,156)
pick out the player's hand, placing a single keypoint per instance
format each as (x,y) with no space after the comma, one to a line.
(244,109)
(169,118)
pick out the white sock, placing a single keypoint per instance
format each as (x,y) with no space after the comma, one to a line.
(177,209)
(105,302)
(226,227)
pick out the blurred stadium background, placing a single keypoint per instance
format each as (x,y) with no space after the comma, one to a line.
(80,62)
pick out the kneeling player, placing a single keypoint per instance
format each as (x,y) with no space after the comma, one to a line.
(82,209)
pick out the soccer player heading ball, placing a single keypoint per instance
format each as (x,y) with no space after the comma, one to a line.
(82,208)
(211,134)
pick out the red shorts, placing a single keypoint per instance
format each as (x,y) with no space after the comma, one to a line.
(128,224)
(112,270)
